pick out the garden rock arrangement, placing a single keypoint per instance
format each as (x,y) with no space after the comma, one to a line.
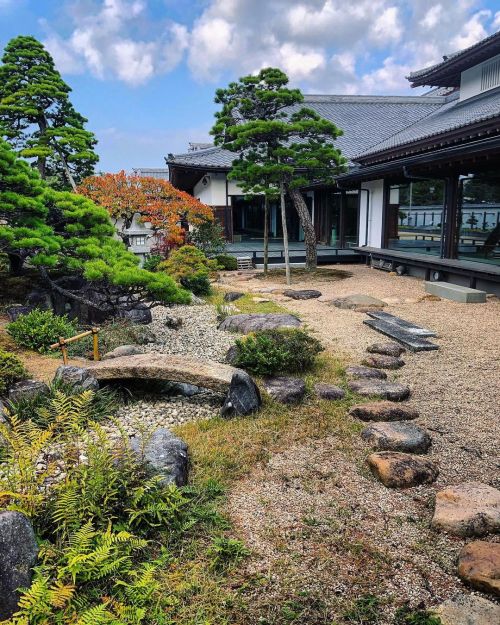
(77,377)
(468,610)
(397,436)
(26,390)
(358,303)
(243,396)
(386,349)
(302,294)
(329,391)
(286,390)
(166,454)
(246,323)
(393,391)
(383,411)
(18,552)
(123,350)
(479,566)
(383,362)
(399,470)
(232,296)
(363,372)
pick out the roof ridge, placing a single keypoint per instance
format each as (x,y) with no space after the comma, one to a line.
(403,99)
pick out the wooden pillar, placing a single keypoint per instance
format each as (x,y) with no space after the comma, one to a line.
(450,210)
(343,208)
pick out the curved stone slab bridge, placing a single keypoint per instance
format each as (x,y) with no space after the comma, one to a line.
(242,394)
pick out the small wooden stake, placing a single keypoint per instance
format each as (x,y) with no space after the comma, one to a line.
(64,350)
(95,341)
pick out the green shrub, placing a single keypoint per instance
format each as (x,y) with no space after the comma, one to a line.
(11,370)
(227,262)
(277,351)
(151,263)
(208,237)
(198,283)
(186,262)
(40,328)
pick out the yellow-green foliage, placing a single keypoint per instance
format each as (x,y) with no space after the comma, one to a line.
(187,261)
(11,370)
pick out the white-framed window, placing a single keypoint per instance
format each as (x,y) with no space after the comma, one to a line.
(140,239)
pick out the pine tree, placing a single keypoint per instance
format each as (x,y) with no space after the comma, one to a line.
(37,117)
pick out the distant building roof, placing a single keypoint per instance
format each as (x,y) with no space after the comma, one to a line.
(365,121)
(447,72)
(454,115)
(152,172)
(193,147)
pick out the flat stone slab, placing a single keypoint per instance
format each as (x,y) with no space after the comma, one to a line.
(352,302)
(393,391)
(383,411)
(469,509)
(329,391)
(362,372)
(383,362)
(387,349)
(411,341)
(468,610)
(407,326)
(285,390)
(397,436)
(302,294)
(479,566)
(455,292)
(398,470)
(246,323)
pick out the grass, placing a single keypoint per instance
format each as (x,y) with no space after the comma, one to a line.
(298,275)
(246,304)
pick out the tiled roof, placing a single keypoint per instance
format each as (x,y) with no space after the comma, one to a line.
(452,116)
(365,121)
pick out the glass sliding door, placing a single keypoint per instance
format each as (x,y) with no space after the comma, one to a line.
(478,220)
(414,217)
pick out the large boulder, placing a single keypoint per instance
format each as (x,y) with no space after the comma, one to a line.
(302,294)
(383,411)
(165,454)
(26,390)
(18,552)
(383,362)
(479,566)
(362,372)
(468,610)
(140,314)
(285,390)
(247,323)
(123,350)
(398,470)
(243,397)
(393,391)
(387,349)
(397,436)
(469,509)
(77,377)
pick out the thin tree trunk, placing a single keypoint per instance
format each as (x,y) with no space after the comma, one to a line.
(307,226)
(67,171)
(266,234)
(285,233)
(41,161)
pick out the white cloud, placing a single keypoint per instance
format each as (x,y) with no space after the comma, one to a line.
(473,30)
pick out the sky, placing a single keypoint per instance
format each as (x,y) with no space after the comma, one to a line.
(144,72)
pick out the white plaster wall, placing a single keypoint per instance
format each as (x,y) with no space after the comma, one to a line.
(470,80)
(211,189)
(375,190)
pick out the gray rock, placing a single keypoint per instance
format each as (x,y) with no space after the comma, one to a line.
(141,314)
(302,294)
(383,362)
(18,552)
(361,372)
(14,312)
(383,411)
(247,323)
(77,377)
(397,436)
(468,610)
(243,397)
(166,454)
(232,354)
(174,323)
(123,350)
(353,302)
(40,298)
(27,389)
(387,349)
(329,391)
(186,390)
(392,391)
(285,390)
(232,296)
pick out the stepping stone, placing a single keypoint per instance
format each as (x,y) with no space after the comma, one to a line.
(260,300)
(397,470)
(329,391)
(468,610)
(357,301)
(247,323)
(393,391)
(232,296)
(407,326)
(479,566)
(469,509)
(285,390)
(411,341)
(383,411)
(384,362)
(387,349)
(304,294)
(360,371)
(397,436)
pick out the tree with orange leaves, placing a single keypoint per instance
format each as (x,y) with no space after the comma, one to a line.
(155,200)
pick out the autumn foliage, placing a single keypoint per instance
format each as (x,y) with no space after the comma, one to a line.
(157,201)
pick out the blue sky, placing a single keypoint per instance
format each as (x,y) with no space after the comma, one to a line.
(144,72)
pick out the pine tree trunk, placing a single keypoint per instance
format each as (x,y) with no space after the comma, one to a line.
(42,160)
(266,234)
(285,233)
(307,226)
(67,171)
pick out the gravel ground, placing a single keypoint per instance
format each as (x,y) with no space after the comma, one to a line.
(317,520)
(198,336)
